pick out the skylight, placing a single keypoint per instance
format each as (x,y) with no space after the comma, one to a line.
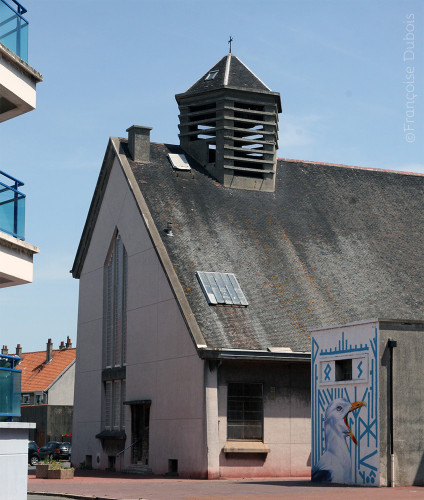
(179,161)
(221,288)
(211,75)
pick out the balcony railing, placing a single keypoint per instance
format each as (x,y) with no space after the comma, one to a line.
(14,28)
(12,206)
(10,387)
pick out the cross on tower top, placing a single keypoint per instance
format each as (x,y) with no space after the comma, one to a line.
(229,41)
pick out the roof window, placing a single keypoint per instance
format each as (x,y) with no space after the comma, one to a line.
(221,289)
(178,161)
(211,75)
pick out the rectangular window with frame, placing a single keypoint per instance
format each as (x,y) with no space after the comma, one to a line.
(114,408)
(245,411)
(25,399)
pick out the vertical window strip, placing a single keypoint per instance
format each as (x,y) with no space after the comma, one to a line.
(124,306)
(118,301)
(116,404)
(114,331)
(123,391)
(115,305)
(109,308)
(108,405)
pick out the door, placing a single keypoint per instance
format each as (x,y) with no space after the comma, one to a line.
(140,417)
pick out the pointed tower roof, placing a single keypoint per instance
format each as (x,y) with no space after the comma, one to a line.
(229,124)
(229,72)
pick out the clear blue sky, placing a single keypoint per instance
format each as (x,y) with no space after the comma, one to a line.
(340,67)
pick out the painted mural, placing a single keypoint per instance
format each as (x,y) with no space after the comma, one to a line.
(345,405)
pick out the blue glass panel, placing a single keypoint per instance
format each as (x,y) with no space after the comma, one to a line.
(12,211)
(10,393)
(12,206)
(13,31)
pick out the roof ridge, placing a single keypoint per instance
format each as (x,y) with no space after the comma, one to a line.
(374,169)
(253,73)
(43,351)
(227,69)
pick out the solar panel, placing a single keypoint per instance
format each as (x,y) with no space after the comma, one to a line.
(179,161)
(221,288)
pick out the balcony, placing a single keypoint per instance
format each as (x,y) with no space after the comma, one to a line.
(18,79)
(14,28)
(10,387)
(12,206)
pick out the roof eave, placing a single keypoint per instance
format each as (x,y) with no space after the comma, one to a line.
(93,211)
(184,95)
(253,355)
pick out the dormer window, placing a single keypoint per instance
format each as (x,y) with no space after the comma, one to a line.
(211,75)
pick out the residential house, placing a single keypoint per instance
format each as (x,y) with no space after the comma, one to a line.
(204,265)
(18,82)
(47,387)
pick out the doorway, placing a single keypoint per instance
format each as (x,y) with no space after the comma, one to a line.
(140,419)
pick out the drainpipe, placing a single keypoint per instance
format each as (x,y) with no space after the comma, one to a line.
(391,344)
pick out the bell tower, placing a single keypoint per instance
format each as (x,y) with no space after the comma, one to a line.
(229,124)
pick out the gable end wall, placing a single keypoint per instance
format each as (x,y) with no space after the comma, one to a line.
(162,363)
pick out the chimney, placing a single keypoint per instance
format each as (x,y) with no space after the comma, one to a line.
(62,345)
(68,343)
(19,350)
(49,351)
(139,143)
(4,350)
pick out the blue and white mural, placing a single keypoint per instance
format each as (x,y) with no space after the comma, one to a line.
(345,405)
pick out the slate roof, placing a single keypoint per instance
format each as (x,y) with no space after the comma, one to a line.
(238,75)
(38,375)
(333,244)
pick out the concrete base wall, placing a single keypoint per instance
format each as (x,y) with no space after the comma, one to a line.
(408,404)
(287,423)
(14,460)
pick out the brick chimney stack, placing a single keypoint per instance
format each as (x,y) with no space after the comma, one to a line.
(139,142)
(19,350)
(62,345)
(4,350)
(68,343)
(49,351)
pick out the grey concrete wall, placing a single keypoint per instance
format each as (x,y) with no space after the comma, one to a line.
(53,421)
(162,364)
(59,422)
(37,414)
(62,391)
(287,422)
(408,405)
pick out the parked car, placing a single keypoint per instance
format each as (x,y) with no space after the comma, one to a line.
(33,453)
(54,450)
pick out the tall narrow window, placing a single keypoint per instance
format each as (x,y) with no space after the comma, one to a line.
(108,405)
(115,304)
(245,411)
(115,334)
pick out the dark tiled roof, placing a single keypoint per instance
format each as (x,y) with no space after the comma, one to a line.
(331,245)
(239,76)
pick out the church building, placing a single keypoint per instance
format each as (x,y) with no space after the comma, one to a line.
(204,265)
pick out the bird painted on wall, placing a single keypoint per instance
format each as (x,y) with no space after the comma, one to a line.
(335,464)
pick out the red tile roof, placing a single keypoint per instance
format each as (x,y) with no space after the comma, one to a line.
(38,375)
